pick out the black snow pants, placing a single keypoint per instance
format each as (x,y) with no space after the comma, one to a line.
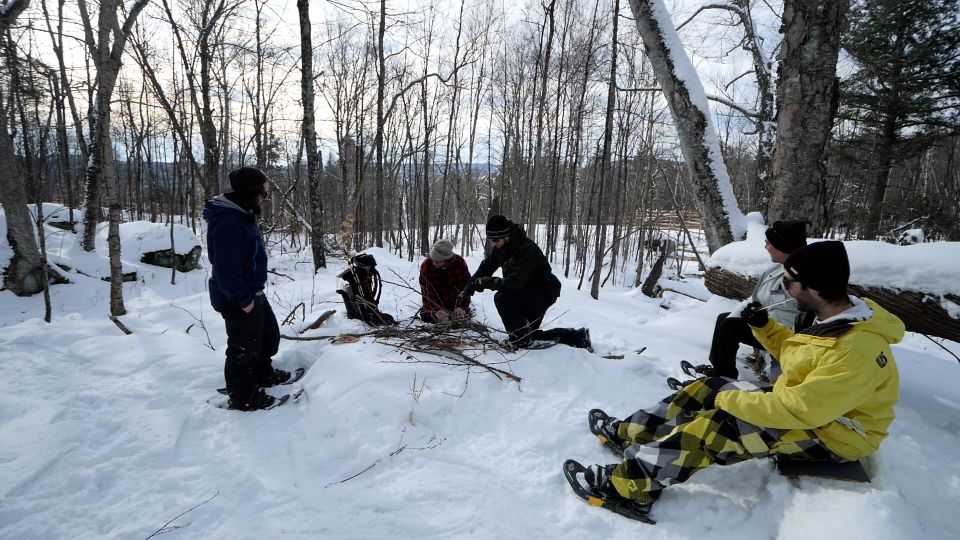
(252,340)
(522,314)
(728,334)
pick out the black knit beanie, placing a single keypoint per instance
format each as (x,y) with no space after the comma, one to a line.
(788,236)
(248,181)
(498,227)
(822,266)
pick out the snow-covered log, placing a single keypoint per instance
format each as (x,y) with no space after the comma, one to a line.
(921,312)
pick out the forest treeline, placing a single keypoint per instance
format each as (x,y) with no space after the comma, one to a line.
(389,124)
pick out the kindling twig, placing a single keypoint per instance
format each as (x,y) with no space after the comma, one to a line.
(166,526)
(942,347)
(200,322)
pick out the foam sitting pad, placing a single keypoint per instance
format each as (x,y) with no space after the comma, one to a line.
(848,471)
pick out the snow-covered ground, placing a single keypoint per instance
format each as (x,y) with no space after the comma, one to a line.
(106,435)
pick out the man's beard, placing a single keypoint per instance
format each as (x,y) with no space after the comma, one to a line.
(804,305)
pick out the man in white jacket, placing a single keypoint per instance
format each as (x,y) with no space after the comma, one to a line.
(783,238)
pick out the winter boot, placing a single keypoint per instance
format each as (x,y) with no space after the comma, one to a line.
(258,400)
(604,427)
(583,339)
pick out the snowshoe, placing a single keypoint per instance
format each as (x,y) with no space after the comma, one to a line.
(261,401)
(529,344)
(604,427)
(702,370)
(592,486)
(284,377)
(676,385)
(258,401)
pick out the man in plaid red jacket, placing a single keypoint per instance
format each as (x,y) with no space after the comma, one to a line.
(443,276)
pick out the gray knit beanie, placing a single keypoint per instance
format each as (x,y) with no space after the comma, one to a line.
(442,250)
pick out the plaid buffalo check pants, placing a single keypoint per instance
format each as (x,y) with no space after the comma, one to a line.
(668,443)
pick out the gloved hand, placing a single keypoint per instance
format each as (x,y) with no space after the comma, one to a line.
(755,314)
(484,283)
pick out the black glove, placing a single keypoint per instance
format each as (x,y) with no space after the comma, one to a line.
(755,315)
(483,283)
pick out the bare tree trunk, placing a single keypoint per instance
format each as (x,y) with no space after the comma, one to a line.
(688,107)
(24,275)
(314,164)
(807,92)
(101,170)
(605,157)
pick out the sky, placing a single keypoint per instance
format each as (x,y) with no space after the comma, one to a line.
(712,47)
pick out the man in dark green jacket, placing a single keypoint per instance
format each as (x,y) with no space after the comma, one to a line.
(526,290)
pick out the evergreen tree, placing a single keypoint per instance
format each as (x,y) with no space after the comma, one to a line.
(906,90)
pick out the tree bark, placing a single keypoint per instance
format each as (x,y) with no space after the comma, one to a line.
(807,93)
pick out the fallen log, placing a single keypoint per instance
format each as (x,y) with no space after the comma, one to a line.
(920,312)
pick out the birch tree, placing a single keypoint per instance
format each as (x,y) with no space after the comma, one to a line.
(686,98)
(106,49)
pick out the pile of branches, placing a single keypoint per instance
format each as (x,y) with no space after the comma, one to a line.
(456,343)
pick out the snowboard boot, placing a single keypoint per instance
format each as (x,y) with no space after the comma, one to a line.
(604,427)
(258,400)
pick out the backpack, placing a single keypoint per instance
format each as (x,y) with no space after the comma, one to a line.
(361,296)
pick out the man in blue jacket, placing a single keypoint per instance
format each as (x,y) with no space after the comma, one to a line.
(239,261)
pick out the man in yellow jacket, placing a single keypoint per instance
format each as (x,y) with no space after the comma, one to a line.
(833,402)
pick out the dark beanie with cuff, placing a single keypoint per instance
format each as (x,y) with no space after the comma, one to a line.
(822,266)
(248,181)
(788,236)
(498,227)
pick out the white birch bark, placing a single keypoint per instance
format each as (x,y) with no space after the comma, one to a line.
(687,100)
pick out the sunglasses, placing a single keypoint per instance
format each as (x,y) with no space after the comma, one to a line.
(787,282)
